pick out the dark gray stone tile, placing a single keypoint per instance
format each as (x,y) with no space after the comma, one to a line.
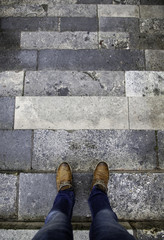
(154,60)
(9,40)
(94,1)
(151,2)
(30,24)
(7,105)
(18,59)
(115,60)
(151,41)
(122,149)
(161,148)
(8,190)
(150,234)
(78,24)
(15,149)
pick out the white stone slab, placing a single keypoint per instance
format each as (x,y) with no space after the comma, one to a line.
(144,83)
(59,40)
(118,11)
(11,83)
(148,11)
(114,40)
(71,113)
(146,113)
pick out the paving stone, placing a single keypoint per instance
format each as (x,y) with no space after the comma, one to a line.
(64,40)
(17,234)
(94,1)
(7,105)
(161,148)
(67,83)
(146,113)
(152,26)
(129,2)
(79,24)
(70,10)
(122,149)
(118,11)
(11,83)
(9,40)
(18,60)
(151,2)
(8,189)
(91,60)
(150,234)
(107,24)
(71,113)
(154,60)
(22,10)
(114,40)
(29,24)
(151,11)
(144,83)
(151,41)
(15,150)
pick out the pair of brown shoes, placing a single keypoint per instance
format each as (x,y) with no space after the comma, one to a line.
(100,176)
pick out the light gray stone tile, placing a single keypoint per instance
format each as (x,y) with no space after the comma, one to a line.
(8,190)
(71,113)
(150,234)
(161,148)
(154,60)
(118,11)
(81,235)
(59,40)
(68,10)
(17,234)
(144,83)
(73,83)
(83,149)
(22,10)
(152,25)
(146,113)
(8,2)
(114,40)
(148,11)
(11,83)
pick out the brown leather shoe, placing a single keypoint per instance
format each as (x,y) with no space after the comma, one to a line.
(64,177)
(101,176)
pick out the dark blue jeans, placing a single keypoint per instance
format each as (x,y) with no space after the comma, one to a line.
(104,226)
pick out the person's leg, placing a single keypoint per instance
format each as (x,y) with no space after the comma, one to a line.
(58,222)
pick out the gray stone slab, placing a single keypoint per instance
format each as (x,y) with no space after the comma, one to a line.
(64,10)
(94,1)
(151,2)
(59,40)
(144,83)
(17,234)
(152,26)
(15,150)
(8,190)
(18,59)
(114,40)
(67,83)
(151,41)
(150,234)
(11,83)
(9,40)
(22,10)
(71,113)
(151,11)
(129,2)
(121,149)
(154,60)
(7,105)
(118,11)
(146,113)
(161,148)
(91,60)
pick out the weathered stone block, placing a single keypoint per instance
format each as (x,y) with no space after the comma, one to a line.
(17,59)
(15,150)
(67,83)
(151,26)
(91,60)
(151,11)
(114,40)
(58,40)
(8,190)
(144,83)
(146,113)
(17,234)
(71,113)
(94,1)
(151,2)
(161,148)
(150,234)
(118,11)
(11,83)
(154,60)
(83,149)
(64,10)
(9,40)
(151,41)
(7,105)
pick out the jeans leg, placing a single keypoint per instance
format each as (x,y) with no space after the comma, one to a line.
(105,224)
(58,222)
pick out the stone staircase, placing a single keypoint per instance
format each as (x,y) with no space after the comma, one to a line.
(81,81)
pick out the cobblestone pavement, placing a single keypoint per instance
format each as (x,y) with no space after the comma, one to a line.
(81,81)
